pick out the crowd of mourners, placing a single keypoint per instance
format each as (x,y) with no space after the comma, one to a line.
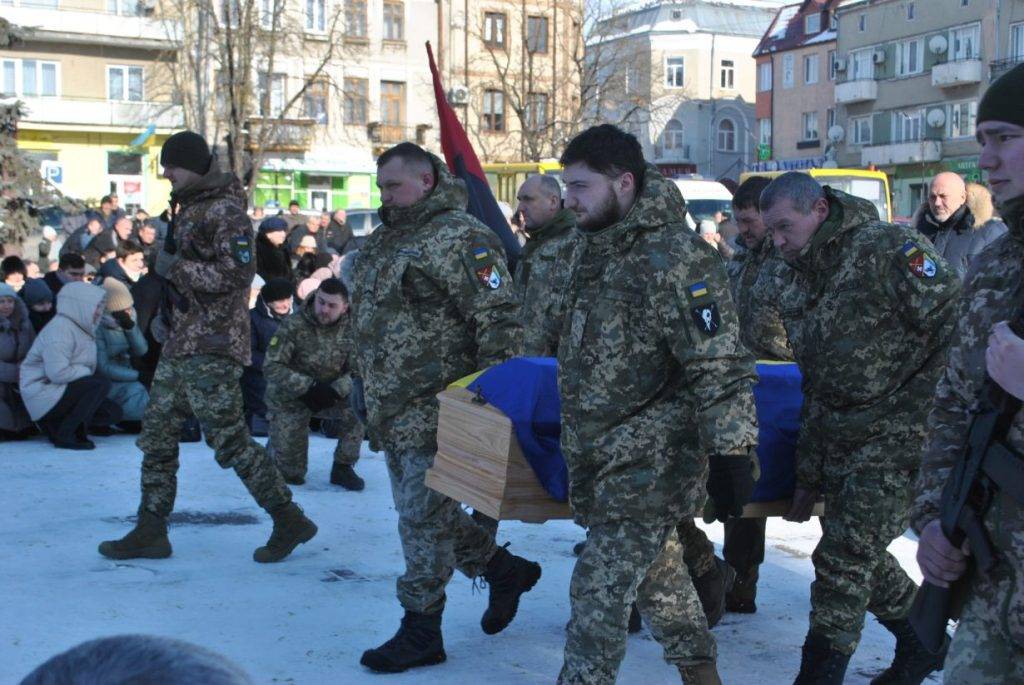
(78,362)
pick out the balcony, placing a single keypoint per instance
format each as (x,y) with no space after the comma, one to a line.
(901,153)
(677,153)
(383,136)
(87,113)
(281,135)
(959,73)
(1000,67)
(861,90)
(69,24)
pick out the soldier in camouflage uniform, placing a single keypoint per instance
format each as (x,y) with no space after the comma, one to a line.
(209,276)
(307,369)
(868,309)
(653,380)
(988,646)
(433,302)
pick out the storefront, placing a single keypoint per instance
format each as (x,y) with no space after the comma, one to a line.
(316,186)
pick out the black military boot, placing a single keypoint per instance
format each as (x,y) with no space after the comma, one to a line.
(418,642)
(346,476)
(635,623)
(700,674)
(147,540)
(712,588)
(291,528)
(509,577)
(741,598)
(821,664)
(913,662)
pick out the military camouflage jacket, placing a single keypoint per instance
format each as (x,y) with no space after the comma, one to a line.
(542,275)
(304,351)
(754,273)
(652,374)
(868,307)
(993,292)
(433,302)
(218,262)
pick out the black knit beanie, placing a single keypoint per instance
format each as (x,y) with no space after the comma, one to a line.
(186,150)
(1002,100)
(277,289)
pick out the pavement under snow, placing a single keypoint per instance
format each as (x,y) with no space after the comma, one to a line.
(308,619)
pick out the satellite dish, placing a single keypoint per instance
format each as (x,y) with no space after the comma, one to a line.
(938,45)
(936,118)
(836,133)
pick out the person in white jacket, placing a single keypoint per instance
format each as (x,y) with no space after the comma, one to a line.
(58,381)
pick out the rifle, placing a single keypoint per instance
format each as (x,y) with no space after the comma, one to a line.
(986,467)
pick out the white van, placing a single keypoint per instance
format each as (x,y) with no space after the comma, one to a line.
(703,199)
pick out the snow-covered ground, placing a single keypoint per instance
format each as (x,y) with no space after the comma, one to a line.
(308,619)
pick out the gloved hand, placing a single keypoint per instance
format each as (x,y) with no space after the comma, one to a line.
(165,261)
(356,399)
(320,396)
(730,484)
(124,319)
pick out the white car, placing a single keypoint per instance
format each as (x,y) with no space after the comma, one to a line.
(703,199)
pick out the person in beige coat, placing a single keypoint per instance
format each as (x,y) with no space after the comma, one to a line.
(58,381)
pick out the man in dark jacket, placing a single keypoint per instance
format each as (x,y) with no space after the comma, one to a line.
(947,221)
(81,240)
(311,228)
(70,268)
(273,304)
(127,266)
(273,259)
(339,236)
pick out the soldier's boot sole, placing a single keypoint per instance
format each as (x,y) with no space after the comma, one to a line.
(160,550)
(267,555)
(375,661)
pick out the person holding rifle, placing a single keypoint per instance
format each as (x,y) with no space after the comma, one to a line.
(984,371)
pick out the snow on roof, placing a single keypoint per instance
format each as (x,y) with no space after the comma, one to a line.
(731,17)
(823,37)
(785,15)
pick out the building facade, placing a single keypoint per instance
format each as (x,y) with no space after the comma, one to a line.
(795,102)
(680,76)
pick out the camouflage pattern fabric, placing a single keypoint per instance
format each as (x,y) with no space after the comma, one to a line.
(207,386)
(437,535)
(754,273)
(288,445)
(988,646)
(433,303)
(623,562)
(853,570)
(216,267)
(868,309)
(698,551)
(652,373)
(542,275)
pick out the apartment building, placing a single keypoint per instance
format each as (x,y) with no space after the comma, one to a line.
(795,102)
(93,75)
(681,77)
(909,77)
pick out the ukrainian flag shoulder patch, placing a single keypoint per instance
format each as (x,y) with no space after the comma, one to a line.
(910,249)
(698,289)
(481,253)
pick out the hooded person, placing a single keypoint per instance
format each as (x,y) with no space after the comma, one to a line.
(16,336)
(58,380)
(39,299)
(119,340)
(273,259)
(274,303)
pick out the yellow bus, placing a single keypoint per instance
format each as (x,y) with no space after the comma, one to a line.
(505,178)
(872,186)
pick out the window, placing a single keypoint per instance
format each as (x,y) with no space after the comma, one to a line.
(764,131)
(811,68)
(355,100)
(910,57)
(726,136)
(355,18)
(1017,41)
(314,101)
(963,42)
(812,23)
(537,111)
(29,77)
(764,77)
(830,119)
(831,65)
(674,72)
(230,11)
(494,30)
(906,125)
(962,119)
(862,23)
(833,21)
(392,106)
(787,71)
(537,34)
(910,11)
(270,93)
(315,15)
(124,164)
(494,110)
(672,137)
(394,21)
(7,86)
(269,11)
(860,128)
(124,83)
(863,64)
(126,8)
(809,121)
(728,73)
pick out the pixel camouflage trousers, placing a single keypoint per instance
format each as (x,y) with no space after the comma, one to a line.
(289,436)
(208,386)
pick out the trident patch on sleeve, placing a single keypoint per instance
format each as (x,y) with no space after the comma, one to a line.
(241,249)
